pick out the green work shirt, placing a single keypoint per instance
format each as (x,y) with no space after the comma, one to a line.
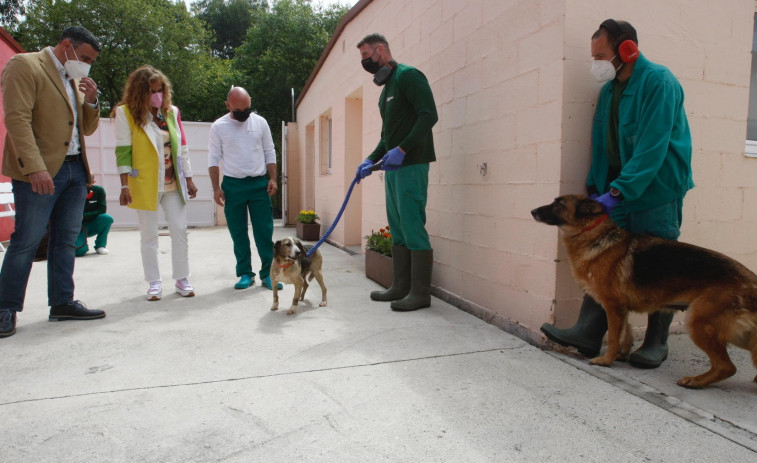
(94,206)
(408,113)
(654,140)
(613,147)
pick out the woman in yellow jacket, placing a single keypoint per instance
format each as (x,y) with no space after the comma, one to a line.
(153,162)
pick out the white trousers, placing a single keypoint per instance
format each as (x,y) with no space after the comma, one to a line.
(176,216)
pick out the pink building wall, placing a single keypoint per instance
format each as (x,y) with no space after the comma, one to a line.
(513,90)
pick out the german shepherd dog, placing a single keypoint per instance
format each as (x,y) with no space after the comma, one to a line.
(625,272)
(290,265)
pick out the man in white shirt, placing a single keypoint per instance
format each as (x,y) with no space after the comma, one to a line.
(242,142)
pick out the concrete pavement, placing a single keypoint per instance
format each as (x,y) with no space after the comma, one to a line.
(221,378)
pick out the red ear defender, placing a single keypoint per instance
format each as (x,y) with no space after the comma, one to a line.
(628,51)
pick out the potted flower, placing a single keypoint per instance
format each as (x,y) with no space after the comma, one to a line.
(307,227)
(378,257)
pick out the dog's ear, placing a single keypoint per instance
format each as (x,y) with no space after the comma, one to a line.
(299,245)
(587,207)
(277,246)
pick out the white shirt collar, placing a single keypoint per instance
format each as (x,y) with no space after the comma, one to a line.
(58,65)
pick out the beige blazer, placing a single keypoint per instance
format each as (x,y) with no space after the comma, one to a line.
(39,118)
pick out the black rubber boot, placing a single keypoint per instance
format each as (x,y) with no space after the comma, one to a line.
(586,335)
(420,283)
(400,276)
(654,351)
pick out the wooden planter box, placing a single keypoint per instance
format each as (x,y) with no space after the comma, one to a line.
(308,231)
(378,268)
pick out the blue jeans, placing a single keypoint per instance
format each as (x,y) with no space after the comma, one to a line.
(62,211)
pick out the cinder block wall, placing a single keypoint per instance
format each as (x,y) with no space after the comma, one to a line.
(513,90)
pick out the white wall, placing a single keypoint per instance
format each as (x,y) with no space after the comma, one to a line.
(102,161)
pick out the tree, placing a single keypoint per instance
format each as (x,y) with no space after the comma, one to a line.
(228,20)
(281,50)
(10,11)
(132,33)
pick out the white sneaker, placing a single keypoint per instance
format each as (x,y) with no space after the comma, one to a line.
(184,288)
(102,251)
(155,292)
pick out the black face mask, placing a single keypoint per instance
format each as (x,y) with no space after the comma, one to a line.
(242,114)
(369,65)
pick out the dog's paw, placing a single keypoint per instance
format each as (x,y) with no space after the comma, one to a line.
(274,307)
(601,361)
(292,310)
(690,382)
(322,304)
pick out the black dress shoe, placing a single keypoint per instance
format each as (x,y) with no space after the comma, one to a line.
(7,323)
(74,310)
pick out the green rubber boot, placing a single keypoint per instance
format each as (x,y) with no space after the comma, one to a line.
(400,276)
(654,351)
(586,335)
(420,282)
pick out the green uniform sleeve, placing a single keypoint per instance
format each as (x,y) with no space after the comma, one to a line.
(418,92)
(652,134)
(92,211)
(379,152)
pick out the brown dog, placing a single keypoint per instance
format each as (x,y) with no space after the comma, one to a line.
(290,265)
(628,272)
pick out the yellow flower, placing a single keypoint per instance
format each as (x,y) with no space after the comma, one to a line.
(307,216)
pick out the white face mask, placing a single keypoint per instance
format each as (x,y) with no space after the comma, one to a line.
(603,70)
(76,69)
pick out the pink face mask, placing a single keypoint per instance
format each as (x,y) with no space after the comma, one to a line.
(156,100)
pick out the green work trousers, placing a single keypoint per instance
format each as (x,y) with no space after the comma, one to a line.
(406,196)
(662,221)
(99,227)
(248,197)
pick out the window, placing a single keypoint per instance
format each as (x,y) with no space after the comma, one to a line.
(751,127)
(325,143)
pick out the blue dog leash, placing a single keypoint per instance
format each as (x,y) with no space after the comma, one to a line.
(373,168)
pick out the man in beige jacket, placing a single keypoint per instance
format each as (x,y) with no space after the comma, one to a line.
(50,105)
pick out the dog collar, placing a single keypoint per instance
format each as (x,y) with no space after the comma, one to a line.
(286,266)
(595,224)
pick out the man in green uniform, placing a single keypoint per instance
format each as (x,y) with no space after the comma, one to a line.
(241,141)
(640,171)
(95,223)
(406,148)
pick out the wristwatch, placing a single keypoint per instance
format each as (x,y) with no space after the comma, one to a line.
(615,193)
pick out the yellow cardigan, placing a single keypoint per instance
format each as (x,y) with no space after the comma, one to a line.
(140,155)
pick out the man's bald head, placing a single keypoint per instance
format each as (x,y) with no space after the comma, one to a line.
(238,99)
(239,104)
